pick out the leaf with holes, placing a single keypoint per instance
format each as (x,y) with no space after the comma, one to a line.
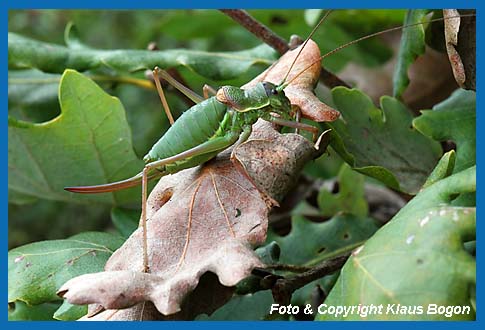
(37,270)
(381,143)
(350,197)
(311,242)
(89,142)
(417,259)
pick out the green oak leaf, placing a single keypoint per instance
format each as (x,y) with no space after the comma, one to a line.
(20,311)
(350,197)
(28,53)
(32,95)
(417,259)
(70,312)
(125,221)
(453,119)
(443,169)
(381,143)
(88,143)
(37,270)
(254,306)
(412,46)
(310,242)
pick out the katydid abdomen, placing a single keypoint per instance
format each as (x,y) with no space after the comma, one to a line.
(194,127)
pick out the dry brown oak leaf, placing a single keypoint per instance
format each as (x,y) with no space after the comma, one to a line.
(460,46)
(204,220)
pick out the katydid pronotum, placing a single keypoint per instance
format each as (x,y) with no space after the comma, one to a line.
(215,124)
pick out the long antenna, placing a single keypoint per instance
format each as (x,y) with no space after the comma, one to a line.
(368,37)
(303,46)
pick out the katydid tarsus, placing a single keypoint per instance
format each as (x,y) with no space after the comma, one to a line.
(213,125)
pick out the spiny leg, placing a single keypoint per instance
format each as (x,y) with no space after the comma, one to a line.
(206,89)
(165,105)
(289,123)
(196,98)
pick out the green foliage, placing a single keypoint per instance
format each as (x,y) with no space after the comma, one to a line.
(27,53)
(125,221)
(412,46)
(32,95)
(45,220)
(20,311)
(443,169)
(37,270)
(453,119)
(90,142)
(309,242)
(65,131)
(69,312)
(418,258)
(380,143)
(242,308)
(350,197)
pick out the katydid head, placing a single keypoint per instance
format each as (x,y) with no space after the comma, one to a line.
(260,96)
(276,97)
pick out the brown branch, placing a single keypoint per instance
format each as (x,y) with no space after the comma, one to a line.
(331,80)
(289,268)
(275,41)
(258,29)
(283,288)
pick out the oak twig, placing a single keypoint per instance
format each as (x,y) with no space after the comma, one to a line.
(258,29)
(283,288)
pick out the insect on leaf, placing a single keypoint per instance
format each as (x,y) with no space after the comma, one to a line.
(201,221)
(211,217)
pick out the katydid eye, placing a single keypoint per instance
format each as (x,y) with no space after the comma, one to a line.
(274,92)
